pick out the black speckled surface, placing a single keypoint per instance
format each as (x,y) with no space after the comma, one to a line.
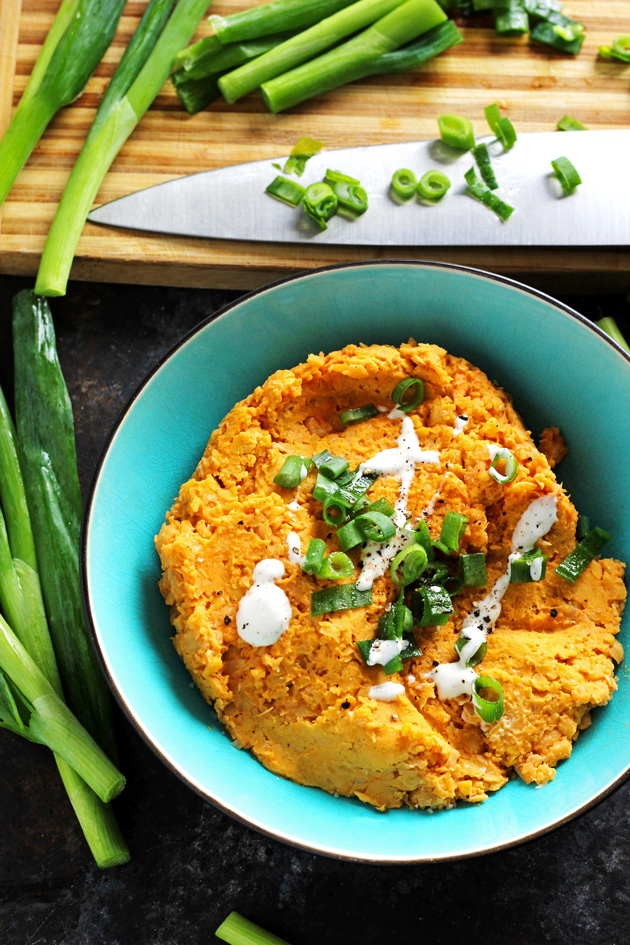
(191,864)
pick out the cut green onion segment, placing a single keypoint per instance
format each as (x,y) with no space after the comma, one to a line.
(336,566)
(554,30)
(357,414)
(408,394)
(431,605)
(505,133)
(408,565)
(292,472)
(582,527)
(487,197)
(433,185)
(352,199)
(457,132)
(609,325)
(339,597)
(320,204)
(482,157)
(510,17)
(452,532)
(511,467)
(566,174)
(567,123)
(375,526)
(529,567)
(288,191)
(472,570)
(490,710)
(303,151)
(333,513)
(350,535)
(493,115)
(620,49)
(404,183)
(314,557)
(236,930)
(334,467)
(477,656)
(582,555)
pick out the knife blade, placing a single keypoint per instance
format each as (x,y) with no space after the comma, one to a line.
(231,203)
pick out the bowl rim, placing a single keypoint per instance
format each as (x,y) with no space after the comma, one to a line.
(85,589)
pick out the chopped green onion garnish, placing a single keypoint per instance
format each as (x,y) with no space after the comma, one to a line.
(320,204)
(567,123)
(408,565)
(433,185)
(477,656)
(620,49)
(404,183)
(472,570)
(609,325)
(408,394)
(582,555)
(292,472)
(431,605)
(488,710)
(302,152)
(375,526)
(288,191)
(336,177)
(457,132)
(383,506)
(436,572)
(481,156)
(321,458)
(547,33)
(339,597)
(422,536)
(493,114)
(331,490)
(566,174)
(352,199)
(333,467)
(333,513)
(357,414)
(510,17)
(505,133)
(511,467)
(583,527)
(336,566)
(487,197)
(314,556)
(529,567)
(350,535)
(452,532)
(236,930)
(453,585)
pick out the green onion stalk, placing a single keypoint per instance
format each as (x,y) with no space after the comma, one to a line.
(237,930)
(304,46)
(22,604)
(354,59)
(76,43)
(139,77)
(274,18)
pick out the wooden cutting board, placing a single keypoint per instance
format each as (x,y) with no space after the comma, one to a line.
(534,85)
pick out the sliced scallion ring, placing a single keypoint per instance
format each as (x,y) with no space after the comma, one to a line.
(482,157)
(472,570)
(567,123)
(433,185)
(457,132)
(566,174)
(529,567)
(452,532)
(339,597)
(408,565)
(336,566)
(357,414)
(333,513)
(292,472)
(375,526)
(288,191)
(582,555)
(477,656)
(333,467)
(404,183)
(320,203)
(489,710)
(408,394)
(431,605)
(511,467)
(314,556)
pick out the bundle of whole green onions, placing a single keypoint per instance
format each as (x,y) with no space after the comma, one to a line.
(48,669)
(343,42)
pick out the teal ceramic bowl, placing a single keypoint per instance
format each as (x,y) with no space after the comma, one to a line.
(559,368)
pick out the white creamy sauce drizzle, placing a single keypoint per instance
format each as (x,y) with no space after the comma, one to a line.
(264,612)
(460,424)
(294,506)
(303,472)
(295,548)
(535,569)
(387,691)
(493,449)
(455,679)
(400,461)
(382,651)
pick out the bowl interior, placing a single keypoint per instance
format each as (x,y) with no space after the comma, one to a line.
(559,370)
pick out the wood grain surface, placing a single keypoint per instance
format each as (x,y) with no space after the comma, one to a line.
(534,85)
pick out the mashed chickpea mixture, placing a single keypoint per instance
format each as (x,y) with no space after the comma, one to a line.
(308,705)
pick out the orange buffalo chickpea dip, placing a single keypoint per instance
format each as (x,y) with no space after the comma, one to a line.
(478,659)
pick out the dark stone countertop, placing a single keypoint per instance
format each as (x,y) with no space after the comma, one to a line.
(192,864)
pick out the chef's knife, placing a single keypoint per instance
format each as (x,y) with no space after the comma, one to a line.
(231,203)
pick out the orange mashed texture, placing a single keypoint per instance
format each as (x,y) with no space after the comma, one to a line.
(302,705)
